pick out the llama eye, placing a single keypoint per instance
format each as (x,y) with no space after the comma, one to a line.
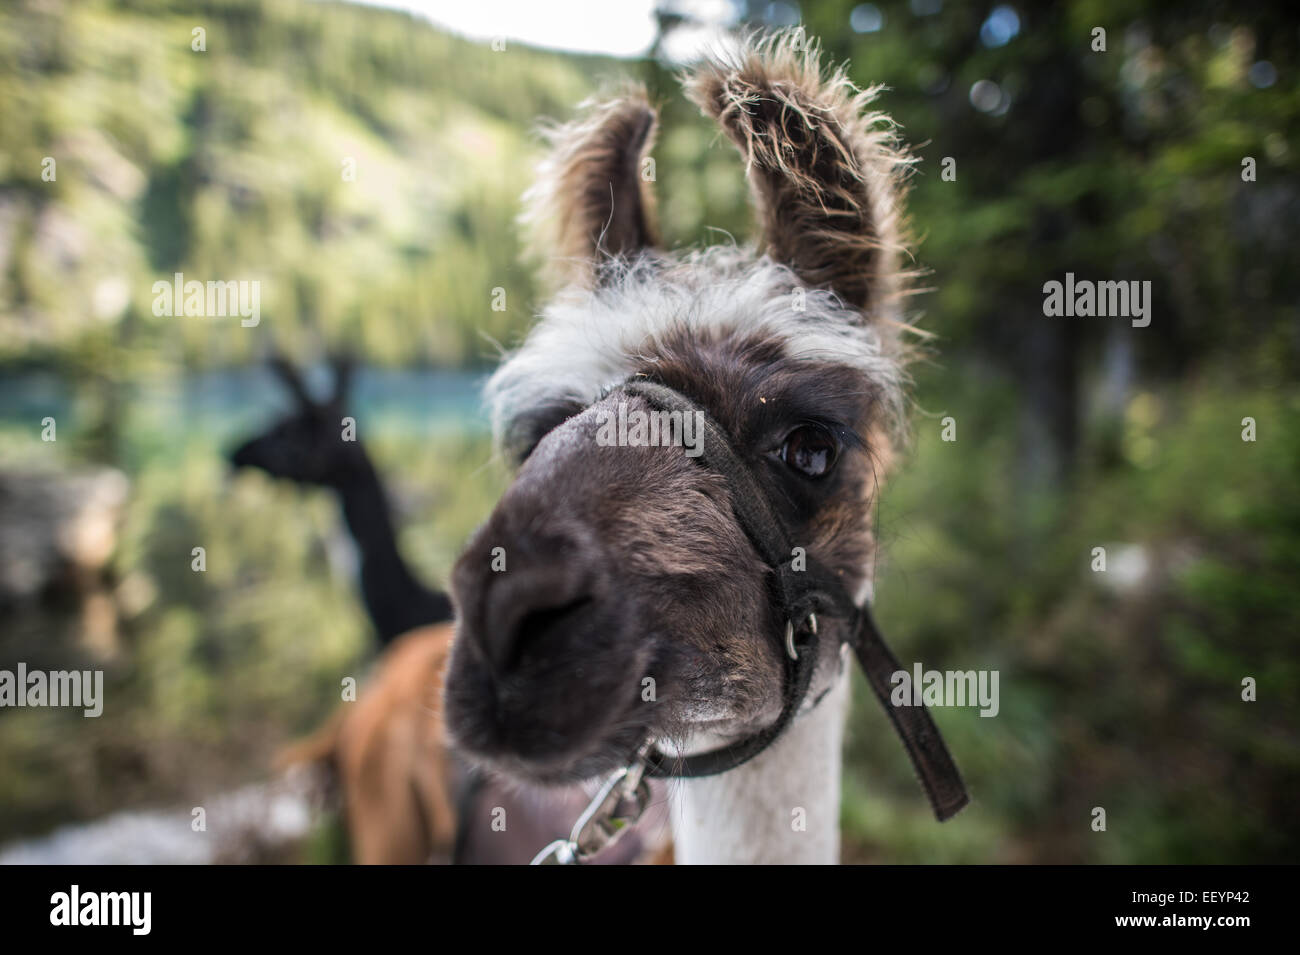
(811,450)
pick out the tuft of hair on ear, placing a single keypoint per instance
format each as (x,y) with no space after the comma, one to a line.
(826,172)
(590,202)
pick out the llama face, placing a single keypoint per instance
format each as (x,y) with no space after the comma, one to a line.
(612,596)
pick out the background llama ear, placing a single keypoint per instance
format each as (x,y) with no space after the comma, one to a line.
(824,171)
(592,199)
(287,372)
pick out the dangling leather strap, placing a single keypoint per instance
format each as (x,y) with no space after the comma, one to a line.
(921,738)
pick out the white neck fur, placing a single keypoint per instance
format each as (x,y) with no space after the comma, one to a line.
(783,806)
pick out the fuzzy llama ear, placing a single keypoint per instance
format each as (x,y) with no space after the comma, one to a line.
(591,200)
(826,173)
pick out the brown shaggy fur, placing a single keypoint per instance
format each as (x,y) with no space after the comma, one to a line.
(590,200)
(390,755)
(826,174)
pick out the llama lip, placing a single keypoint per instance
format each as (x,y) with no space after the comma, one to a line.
(527,750)
(566,770)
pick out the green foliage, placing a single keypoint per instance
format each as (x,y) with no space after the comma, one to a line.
(1125,698)
(215,670)
(235,163)
(1120,690)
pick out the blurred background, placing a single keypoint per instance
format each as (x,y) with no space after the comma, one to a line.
(1120,689)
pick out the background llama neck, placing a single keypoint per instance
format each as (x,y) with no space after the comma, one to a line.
(395,600)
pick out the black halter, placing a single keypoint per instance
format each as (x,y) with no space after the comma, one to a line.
(801,596)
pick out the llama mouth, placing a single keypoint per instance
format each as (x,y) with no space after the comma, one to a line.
(568,769)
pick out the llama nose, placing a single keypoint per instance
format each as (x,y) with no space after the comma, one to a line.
(523,601)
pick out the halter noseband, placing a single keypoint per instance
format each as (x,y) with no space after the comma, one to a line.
(799,596)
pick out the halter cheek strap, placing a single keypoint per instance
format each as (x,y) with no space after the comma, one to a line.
(800,596)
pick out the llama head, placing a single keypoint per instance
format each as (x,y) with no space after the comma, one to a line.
(612,596)
(307,445)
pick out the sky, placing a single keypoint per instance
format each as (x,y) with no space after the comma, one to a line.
(615,27)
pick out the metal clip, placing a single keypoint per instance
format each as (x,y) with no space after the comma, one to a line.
(789,635)
(617,805)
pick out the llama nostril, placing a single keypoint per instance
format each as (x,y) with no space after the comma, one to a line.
(517,616)
(535,626)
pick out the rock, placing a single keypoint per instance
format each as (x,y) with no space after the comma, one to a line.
(57,528)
